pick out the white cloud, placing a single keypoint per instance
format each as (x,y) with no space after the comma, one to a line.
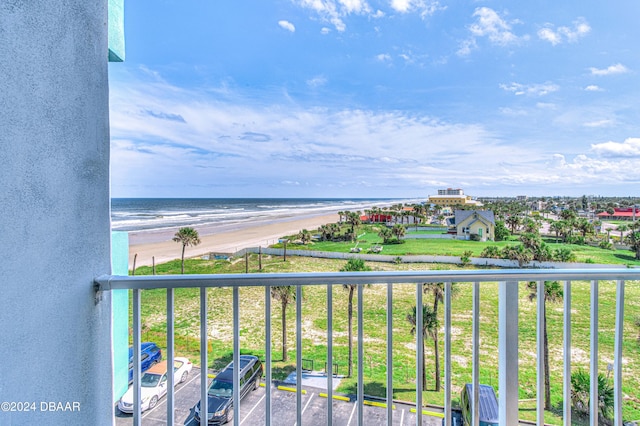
(490,25)
(334,11)
(561,34)
(317,81)
(593,88)
(613,69)
(325,30)
(287,26)
(383,57)
(424,7)
(600,123)
(530,89)
(629,148)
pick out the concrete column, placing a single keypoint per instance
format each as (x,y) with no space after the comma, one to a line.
(54,212)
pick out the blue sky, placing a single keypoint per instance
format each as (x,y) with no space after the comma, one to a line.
(388,98)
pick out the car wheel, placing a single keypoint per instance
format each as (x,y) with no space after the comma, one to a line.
(256,384)
(153,402)
(184,377)
(230,415)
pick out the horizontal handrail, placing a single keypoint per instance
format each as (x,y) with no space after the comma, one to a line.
(146,282)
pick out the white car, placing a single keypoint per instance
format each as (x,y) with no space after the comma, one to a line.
(154,384)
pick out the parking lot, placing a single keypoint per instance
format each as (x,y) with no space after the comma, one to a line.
(252,409)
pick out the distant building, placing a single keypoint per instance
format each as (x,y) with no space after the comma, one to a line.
(620,214)
(453,198)
(475,222)
(450,191)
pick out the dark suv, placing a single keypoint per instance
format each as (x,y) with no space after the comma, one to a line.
(220,393)
(150,354)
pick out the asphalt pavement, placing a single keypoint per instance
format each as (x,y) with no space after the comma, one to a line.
(283,408)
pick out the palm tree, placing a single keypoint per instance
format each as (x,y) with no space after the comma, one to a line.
(385,233)
(429,326)
(556,226)
(399,231)
(552,293)
(285,294)
(305,236)
(353,219)
(633,238)
(513,222)
(584,226)
(437,290)
(187,237)
(622,228)
(353,265)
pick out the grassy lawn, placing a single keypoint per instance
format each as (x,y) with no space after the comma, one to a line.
(314,329)
(450,247)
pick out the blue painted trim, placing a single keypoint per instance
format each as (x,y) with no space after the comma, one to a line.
(116,30)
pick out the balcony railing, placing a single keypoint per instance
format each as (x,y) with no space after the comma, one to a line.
(508,332)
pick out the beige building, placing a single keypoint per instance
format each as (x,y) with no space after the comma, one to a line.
(453,198)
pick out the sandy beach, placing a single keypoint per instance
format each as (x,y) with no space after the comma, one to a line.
(219,238)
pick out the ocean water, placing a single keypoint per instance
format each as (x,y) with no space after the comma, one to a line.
(142,214)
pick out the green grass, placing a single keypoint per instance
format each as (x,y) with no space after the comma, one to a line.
(451,247)
(314,330)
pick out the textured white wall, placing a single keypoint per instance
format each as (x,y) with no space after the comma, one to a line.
(54,211)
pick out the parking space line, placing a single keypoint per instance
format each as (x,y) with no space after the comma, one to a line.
(402,418)
(353,410)
(144,416)
(305,407)
(254,407)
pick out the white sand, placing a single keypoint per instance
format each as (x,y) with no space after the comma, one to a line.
(219,239)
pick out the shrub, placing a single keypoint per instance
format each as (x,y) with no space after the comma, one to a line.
(580,387)
(491,252)
(563,255)
(465,259)
(606,245)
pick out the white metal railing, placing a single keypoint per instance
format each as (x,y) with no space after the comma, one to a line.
(507,346)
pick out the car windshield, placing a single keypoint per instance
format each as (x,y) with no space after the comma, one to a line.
(221,388)
(149,380)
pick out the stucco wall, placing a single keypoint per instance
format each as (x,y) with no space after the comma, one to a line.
(54,211)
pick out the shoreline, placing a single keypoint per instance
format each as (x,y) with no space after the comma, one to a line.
(219,238)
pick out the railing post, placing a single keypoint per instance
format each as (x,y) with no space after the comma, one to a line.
(419,354)
(566,391)
(267,350)
(137,374)
(389,354)
(329,354)
(508,352)
(298,354)
(204,410)
(593,394)
(617,358)
(360,357)
(170,357)
(540,375)
(475,410)
(237,368)
(447,352)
